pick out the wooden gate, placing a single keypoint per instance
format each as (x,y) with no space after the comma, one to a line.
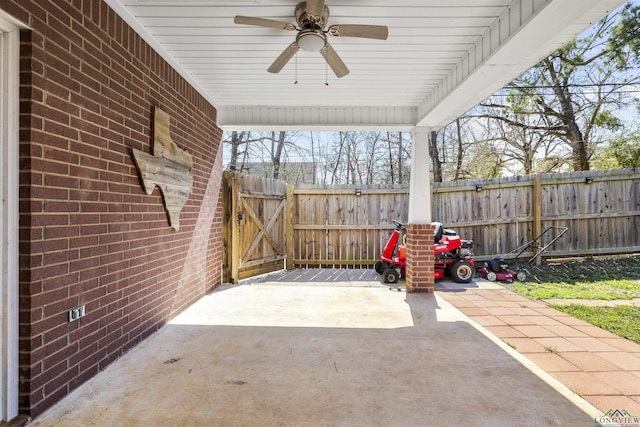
(255,226)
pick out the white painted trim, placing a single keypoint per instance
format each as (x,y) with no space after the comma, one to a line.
(9,213)
(420,184)
(263,118)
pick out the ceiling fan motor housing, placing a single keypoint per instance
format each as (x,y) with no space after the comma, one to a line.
(306,21)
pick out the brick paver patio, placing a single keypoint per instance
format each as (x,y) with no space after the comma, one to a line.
(601,367)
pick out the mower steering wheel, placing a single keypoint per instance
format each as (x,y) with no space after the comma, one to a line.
(398,224)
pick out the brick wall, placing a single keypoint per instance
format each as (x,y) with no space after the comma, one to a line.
(89,234)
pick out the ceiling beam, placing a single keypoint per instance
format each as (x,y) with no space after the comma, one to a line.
(327,118)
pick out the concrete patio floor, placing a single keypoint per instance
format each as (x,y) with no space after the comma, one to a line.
(316,352)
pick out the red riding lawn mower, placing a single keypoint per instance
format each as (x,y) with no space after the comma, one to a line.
(452,255)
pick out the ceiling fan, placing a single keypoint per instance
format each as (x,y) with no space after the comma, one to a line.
(312,17)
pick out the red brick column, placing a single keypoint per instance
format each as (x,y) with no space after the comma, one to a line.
(420,260)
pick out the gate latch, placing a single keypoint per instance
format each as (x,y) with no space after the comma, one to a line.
(240,216)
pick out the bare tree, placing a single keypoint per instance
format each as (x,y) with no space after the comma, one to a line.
(239,147)
(460,154)
(277,146)
(400,158)
(391,161)
(436,162)
(373,157)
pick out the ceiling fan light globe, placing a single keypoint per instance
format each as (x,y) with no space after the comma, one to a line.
(311,42)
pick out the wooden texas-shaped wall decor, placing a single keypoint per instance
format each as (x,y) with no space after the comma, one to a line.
(168,167)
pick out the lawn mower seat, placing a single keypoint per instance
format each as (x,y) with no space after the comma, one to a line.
(449,232)
(438,232)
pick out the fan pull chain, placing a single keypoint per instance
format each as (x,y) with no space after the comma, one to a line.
(326,74)
(296,82)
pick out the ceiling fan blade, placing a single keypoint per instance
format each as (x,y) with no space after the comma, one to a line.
(379,32)
(315,8)
(333,59)
(284,57)
(262,22)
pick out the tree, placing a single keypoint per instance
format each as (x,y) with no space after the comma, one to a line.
(367,158)
(460,151)
(277,146)
(394,168)
(626,151)
(525,148)
(436,162)
(450,149)
(624,43)
(238,143)
(622,152)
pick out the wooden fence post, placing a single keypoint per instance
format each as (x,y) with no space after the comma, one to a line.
(226,227)
(289,227)
(537,210)
(234,250)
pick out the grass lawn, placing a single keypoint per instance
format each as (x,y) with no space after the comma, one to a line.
(595,289)
(591,279)
(621,320)
(603,278)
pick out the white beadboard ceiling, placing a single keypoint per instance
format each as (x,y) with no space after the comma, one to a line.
(441,57)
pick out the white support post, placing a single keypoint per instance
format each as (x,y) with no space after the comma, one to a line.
(420,187)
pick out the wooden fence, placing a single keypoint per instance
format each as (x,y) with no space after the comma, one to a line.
(337,226)
(349,225)
(601,210)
